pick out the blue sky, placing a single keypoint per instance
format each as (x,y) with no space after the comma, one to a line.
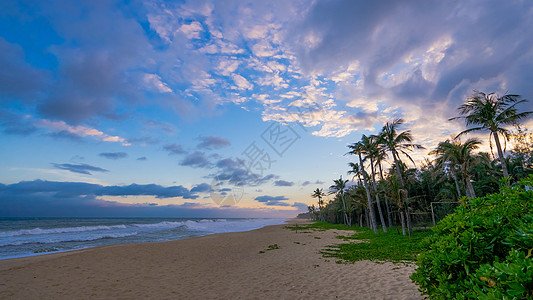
(160,108)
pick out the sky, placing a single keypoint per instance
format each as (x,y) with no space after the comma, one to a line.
(231,108)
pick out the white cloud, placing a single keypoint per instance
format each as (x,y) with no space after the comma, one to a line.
(81,131)
(192,30)
(153,82)
(241,82)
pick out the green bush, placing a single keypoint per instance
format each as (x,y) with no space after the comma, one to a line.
(482,250)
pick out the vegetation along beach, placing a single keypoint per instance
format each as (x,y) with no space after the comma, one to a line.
(300,149)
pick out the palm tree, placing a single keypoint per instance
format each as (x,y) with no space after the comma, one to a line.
(357,148)
(490,112)
(355,171)
(318,193)
(397,143)
(338,187)
(379,157)
(459,157)
(371,148)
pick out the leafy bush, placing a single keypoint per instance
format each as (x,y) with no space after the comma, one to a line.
(482,250)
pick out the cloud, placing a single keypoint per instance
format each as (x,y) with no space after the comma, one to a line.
(202,188)
(213,142)
(196,159)
(399,57)
(147,190)
(272,200)
(235,172)
(174,149)
(81,131)
(18,79)
(142,158)
(113,155)
(154,82)
(16,124)
(283,183)
(79,168)
(302,207)
(67,199)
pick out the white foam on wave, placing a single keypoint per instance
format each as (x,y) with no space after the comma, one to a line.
(66,238)
(39,231)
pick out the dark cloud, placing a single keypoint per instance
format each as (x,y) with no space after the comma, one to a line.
(283,183)
(433,51)
(307,182)
(272,200)
(95,72)
(16,124)
(235,172)
(73,199)
(174,149)
(142,158)
(196,159)
(18,79)
(146,190)
(69,199)
(213,142)
(203,188)
(113,155)
(79,168)
(71,189)
(302,207)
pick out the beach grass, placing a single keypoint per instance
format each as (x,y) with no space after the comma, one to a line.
(364,244)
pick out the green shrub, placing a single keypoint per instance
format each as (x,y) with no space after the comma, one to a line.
(482,250)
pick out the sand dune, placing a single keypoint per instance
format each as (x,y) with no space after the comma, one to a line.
(219,266)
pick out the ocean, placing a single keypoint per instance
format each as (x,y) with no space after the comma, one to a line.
(21,237)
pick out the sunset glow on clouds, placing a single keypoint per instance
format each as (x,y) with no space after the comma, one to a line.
(184,88)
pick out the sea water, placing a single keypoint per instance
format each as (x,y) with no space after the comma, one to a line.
(21,237)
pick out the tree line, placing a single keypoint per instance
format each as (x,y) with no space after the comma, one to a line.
(404,192)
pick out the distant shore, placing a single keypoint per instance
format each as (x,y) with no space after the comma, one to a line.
(272,262)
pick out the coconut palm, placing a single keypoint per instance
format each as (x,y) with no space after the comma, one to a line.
(357,149)
(371,148)
(459,157)
(338,187)
(490,112)
(355,171)
(397,143)
(318,193)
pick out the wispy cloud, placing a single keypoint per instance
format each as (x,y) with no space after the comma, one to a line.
(113,155)
(79,168)
(174,149)
(213,142)
(272,200)
(81,131)
(283,183)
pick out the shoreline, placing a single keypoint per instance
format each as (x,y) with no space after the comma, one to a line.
(269,262)
(117,242)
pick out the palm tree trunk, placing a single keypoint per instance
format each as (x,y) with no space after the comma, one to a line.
(387,206)
(368,197)
(500,155)
(454,176)
(402,220)
(344,209)
(361,217)
(402,185)
(382,220)
(469,186)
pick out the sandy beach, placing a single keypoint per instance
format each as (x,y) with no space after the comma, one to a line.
(219,266)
